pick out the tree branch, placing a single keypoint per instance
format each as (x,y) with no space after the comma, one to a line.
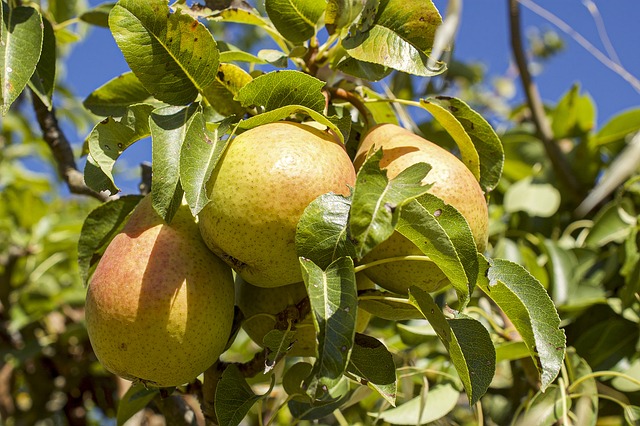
(356,101)
(62,152)
(534,102)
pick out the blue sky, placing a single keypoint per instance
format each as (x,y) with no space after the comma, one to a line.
(483,37)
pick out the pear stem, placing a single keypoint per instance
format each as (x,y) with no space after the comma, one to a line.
(391,259)
(356,101)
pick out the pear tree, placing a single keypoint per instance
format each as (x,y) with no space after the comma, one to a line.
(302,251)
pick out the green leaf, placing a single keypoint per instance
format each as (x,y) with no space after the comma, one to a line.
(283,88)
(387,306)
(382,112)
(108,140)
(365,70)
(616,129)
(285,112)
(587,404)
(202,149)
(174,56)
(443,234)
(295,19)
(383,46)
(114,97)
(99,228)
(341,14)
(371,362)
(467,341)
(294,378)
(334,303)
(610,225)
(535,199)
(315,410)
(527,304)
(377,201)
(20,49)
(322,231)
(480,147)
(573,116)
(63,10)
(414,20)
(234,397)
(43,79)
(229,80)
(135,399)
(432,405)
(169,126)
(511,351)
(98,15)
(632,414)
(562,264)
(545,408)
(395,34)
(249,17)
(278,342)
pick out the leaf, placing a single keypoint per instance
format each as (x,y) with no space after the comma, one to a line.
(135,399)
(383,46)
(527,304)
(377,201)
(249,17)
(294,378)
(619,127)
(286,112)
(334,303)
(609,224)
(169,126)
(20,48)
(414,20)
(341,14)
(587,404)
(62,10)
(316,410)
(229,80)
(283,88)
(480,147)
(98,15)
(443,234)
(202,149)
(43,79)
(573,116)
(366,70)
(108,140)
(295,19)
(387,306)
(278,342)
(434,404)
(382,112)
(373,364)
(234,397)
(174,56)
(114,97)
(562,264)
(535,199)
(322,231)
(99,228)
(545,408)
(467,341)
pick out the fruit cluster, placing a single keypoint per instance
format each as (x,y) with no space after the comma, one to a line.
(160,304)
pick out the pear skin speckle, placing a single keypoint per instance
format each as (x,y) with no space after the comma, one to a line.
(159,307)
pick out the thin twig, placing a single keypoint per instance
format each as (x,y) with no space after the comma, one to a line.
(62,152)
(602,30)
(558,160)
(356,101)
(579,38)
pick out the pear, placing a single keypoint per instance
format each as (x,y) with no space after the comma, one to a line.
(159,307)
(452,181)
(261,305)
(266,178)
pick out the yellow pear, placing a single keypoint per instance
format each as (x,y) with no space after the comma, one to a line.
(452,181)
(159,307)
(266,178)
(261,305)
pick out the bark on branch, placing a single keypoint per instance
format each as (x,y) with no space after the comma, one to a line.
(62,152)
(534,102)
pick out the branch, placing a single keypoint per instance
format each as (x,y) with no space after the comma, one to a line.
(354,100)
(62,152)
(534,102)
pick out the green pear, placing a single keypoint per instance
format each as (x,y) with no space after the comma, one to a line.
(266,178)
(261,305)
(452,181)
(159,307)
